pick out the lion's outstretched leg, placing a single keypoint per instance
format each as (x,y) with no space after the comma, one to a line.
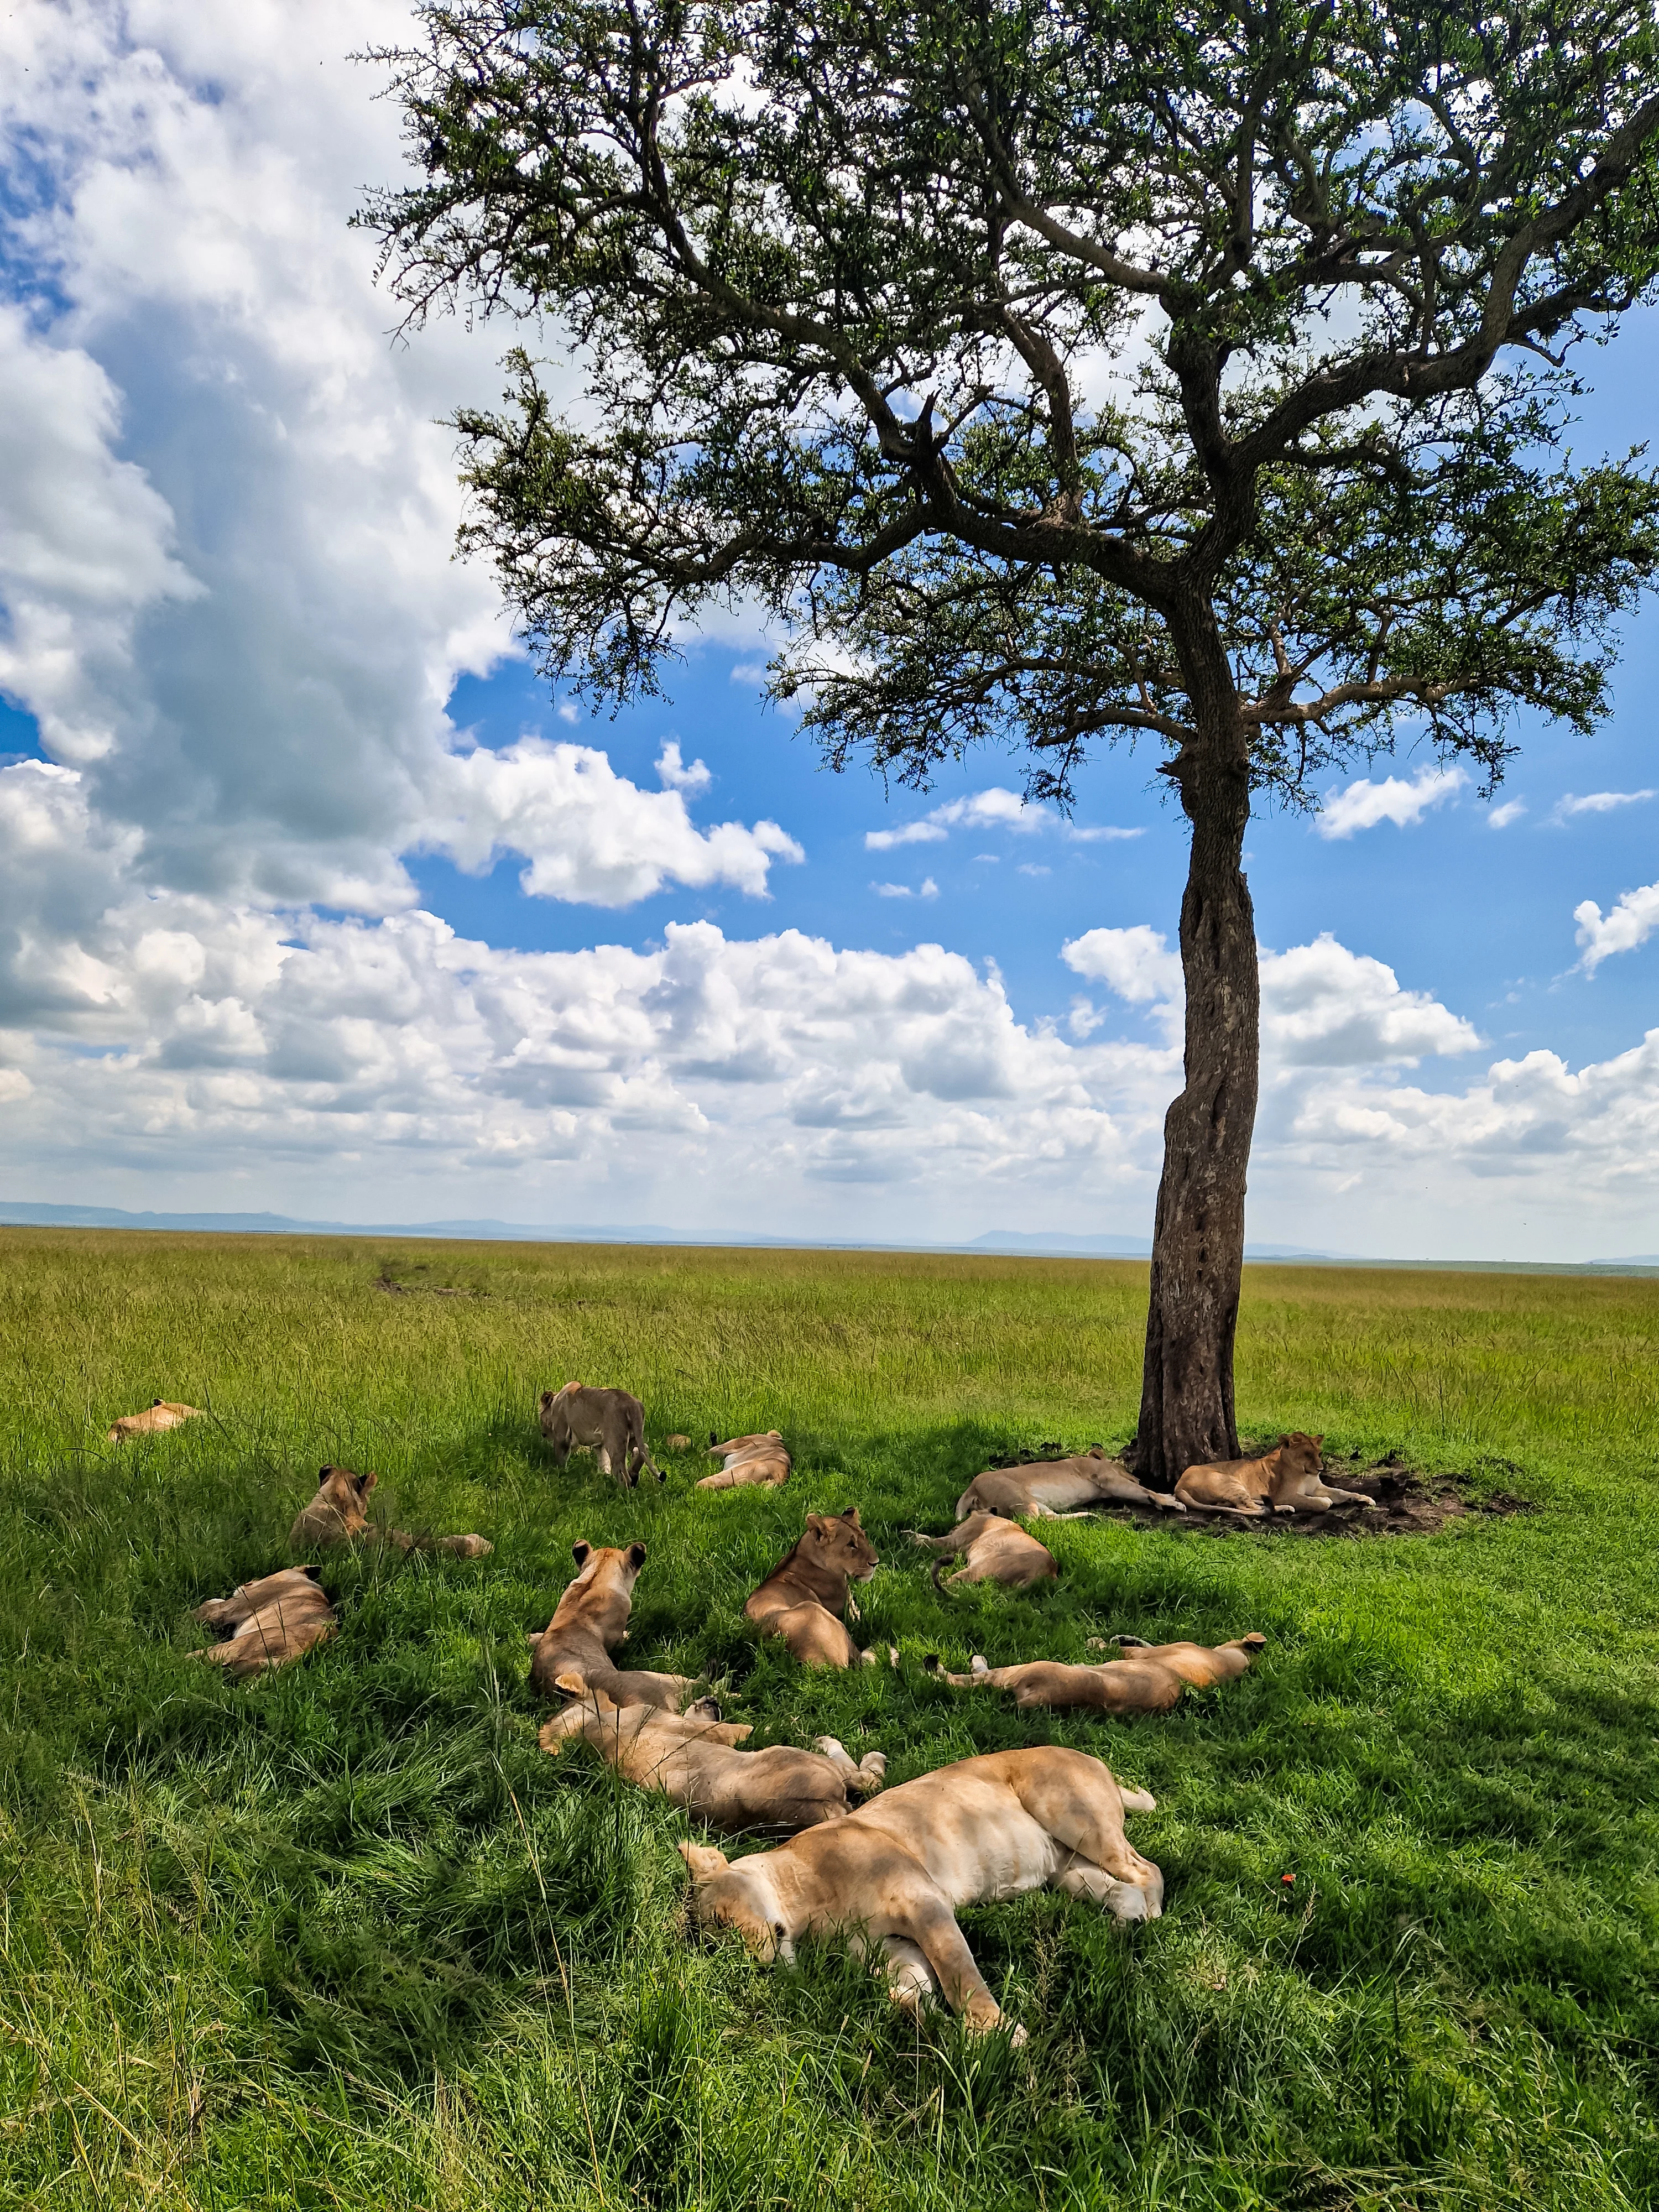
(1084,1810)
(933,1928)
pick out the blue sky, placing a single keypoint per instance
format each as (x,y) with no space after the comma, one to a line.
(272,777)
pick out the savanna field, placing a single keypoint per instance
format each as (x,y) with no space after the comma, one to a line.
(346,1937)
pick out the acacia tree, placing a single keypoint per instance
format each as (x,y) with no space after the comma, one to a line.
(1058,372)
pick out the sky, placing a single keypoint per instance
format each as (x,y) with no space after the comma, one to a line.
(314,897)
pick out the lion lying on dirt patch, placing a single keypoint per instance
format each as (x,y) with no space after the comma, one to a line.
(750,1460)
(1148,1678)
(591,1621)
(695,1762)
(1286,1479)
(1052,1486)
(339,1513)
(162,1414)
(894,1874)
(998,1550)
(268,1622)
(804,1593)
(609,1422)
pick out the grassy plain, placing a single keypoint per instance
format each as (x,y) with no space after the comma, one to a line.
(346,1938)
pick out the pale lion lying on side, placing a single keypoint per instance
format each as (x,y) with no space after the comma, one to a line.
(695,1762)
(1148,1678)
(894,1874)
(1286,1479)
(748,1460)
(1053,1487)
(998,1550)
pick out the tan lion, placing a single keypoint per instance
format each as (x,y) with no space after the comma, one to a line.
(748,1461)
(591,1621)
(892,1877)
(804,1595)
(609,1422)
(998,1550)
(161,1415)
(268,1622)
(1149,1679)
(1286,1479)
(339,1514)
(1053,1486)
(695,1762)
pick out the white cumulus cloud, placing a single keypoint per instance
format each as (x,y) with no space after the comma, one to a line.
(1632,919)
(1364,803)
(1568,807)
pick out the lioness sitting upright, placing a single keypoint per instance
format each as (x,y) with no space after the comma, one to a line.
(696,1763)
(1286,1479)
(803,1598)
(592,1621)
(609,1422)
(896,1873)
(1054,1486)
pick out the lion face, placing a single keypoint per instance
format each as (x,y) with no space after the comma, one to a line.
(1299,1454)
(838,1542)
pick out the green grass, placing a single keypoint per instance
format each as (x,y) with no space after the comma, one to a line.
(345,1937)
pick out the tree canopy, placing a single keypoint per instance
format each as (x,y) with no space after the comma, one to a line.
(991,348)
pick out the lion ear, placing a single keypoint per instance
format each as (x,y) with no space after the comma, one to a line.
(815,1524)
(578,1552)
(704,1863)
(852,1515)
(636,1555)
(573,1684)
(323,1473)
(366,1483)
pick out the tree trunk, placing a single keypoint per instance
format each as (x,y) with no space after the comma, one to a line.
(1198,1243)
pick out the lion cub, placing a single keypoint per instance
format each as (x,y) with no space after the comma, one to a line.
(803,1596)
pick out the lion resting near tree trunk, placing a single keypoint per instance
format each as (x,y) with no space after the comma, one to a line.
(1052,1486)
(1286,1479)
(892,1876)
(693,1761)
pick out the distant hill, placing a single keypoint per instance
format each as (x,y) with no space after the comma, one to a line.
(1009,1243)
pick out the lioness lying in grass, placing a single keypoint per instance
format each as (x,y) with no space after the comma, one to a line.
(268,1622)
(1286,1479)
(803,1596)
(694,1760)
(163,1413)
(1056,1485)
(591,1621)
(339,1513)
(896,1873)
(998,1550)
(1148,1678)
(748,1460)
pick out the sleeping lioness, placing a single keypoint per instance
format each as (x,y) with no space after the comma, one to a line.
(747,1462)
(1149,1678)
(695,1761)
(163,1413)
(264,1624)
(896,1873)
(998,1550)
(1053,1485)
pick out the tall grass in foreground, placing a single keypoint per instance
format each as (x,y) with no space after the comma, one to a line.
(346,1937)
